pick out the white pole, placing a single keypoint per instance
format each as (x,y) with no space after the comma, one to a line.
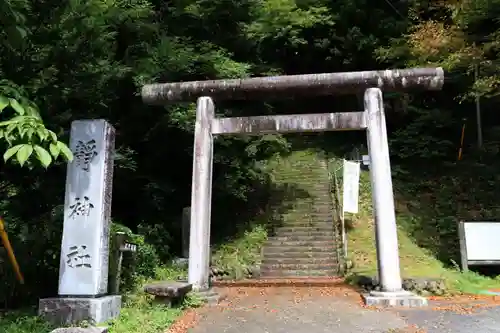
(383,198)
(342,218)
(201,196)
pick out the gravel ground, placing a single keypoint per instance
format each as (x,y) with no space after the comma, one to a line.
(337,309)
(471,316)
(294,310)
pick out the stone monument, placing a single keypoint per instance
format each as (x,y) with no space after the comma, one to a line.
(83,274)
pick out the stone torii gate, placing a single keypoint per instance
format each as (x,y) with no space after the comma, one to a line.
(372,119)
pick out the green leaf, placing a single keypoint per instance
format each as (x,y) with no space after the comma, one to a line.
(11,152)
(4,102)
(54,150)
(42,133)
(14,120)
(53,135)
(10,128)
(21,32)
(65,151)
(30,133)
(43,156)
(24,153)
(22,130)
(33,112)
(16,106)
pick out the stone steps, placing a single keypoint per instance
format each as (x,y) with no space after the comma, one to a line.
(300,243)
(298,266)
(301,238)
(303,230)
(307,224)
(295,217)
(289,273)
(304,242)
(268,249)
(297,261)
(301,235)
(299,255)
(300,205)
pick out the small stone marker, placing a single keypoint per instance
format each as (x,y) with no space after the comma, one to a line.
(186,225)
(83,274)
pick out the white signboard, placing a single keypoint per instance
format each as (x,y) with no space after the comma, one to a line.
(482,241)
(366,159)
(351,187)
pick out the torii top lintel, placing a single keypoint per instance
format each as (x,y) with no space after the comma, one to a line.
(291,85)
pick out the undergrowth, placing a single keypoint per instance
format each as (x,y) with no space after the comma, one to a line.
(241,254)
(415,259)
(139,313)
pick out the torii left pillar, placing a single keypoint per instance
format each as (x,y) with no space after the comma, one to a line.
(201,196)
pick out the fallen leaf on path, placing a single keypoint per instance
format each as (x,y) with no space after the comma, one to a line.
(185,322)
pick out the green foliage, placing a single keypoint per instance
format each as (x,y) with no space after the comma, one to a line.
(137,266)
(148,319)
(23,323)
(25,132)
(13,32)
(421,238)
(239,255)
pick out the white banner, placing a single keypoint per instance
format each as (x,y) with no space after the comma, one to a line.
(351,187)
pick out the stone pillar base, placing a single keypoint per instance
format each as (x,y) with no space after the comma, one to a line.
(81,330)
(210,296)
(400,298)
(72,310)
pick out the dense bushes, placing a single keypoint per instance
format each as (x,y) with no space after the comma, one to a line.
(39,261)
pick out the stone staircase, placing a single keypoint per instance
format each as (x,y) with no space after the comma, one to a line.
(304,242)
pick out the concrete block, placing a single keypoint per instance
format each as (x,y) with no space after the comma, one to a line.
(390,299)
(72,310)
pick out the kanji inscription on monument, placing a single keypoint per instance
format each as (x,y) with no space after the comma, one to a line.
(85,152)
(78,257)
(85,241)
(81,207)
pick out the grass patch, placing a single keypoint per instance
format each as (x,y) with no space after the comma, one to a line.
(238,256)
(138,314)
(415,260)
(23,322)
(146,319)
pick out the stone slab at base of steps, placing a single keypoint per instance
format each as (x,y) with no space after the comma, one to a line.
(211,296)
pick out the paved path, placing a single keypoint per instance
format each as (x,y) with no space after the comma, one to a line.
(321,310)
(453,317)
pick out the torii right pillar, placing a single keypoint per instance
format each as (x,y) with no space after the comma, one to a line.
(391,291)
